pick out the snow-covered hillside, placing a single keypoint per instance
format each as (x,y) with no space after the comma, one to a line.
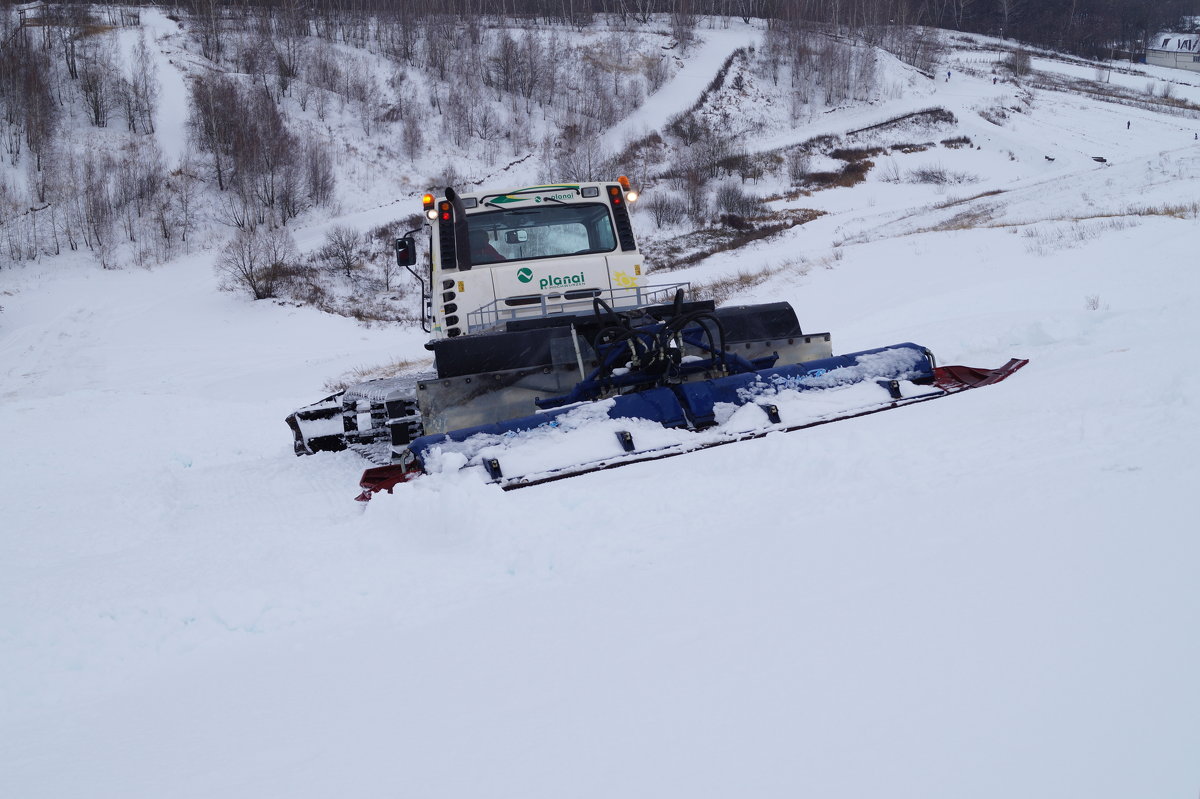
(994,595)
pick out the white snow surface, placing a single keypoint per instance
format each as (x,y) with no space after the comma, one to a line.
(992,595)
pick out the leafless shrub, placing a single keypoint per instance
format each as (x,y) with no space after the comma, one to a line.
(319,180)
(850,154)
(1019,62)
(798,162)
(279,250)
(732,200)
(342,249)
(249,263)
(997,115)
(1092,302)
(657,70)
(667,209)
(690,175)
(938,175)
(850,175)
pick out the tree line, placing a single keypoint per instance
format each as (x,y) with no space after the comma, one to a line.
(513,88)
(1083,27)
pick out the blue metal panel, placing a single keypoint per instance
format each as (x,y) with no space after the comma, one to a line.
(657,405)
(899,362)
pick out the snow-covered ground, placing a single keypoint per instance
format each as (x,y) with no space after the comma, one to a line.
(994,595)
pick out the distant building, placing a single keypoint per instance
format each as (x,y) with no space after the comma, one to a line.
(1179,50)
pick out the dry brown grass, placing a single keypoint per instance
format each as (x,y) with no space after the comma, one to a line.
(722,289)
(691,248)
(361,374)
(850,175)
(850,154)
(1048,235)
(1177,210)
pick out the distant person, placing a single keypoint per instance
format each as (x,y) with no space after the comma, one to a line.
(1126,124)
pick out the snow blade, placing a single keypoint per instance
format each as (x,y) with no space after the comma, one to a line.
(947,380)
(665,422)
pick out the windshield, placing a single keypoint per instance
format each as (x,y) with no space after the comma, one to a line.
(542,231)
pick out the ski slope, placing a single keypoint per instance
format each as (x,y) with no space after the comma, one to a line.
(993,595)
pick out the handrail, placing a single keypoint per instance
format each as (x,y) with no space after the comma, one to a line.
(499,311)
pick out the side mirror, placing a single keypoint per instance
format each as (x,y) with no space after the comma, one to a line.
(406,251)
(516,236)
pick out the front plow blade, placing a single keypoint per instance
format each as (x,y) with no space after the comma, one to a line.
(779,417)
(585,440)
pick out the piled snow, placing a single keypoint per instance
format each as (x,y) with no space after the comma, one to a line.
(992,595)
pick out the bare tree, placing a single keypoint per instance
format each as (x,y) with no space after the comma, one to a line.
(341,250)
(588,160)
(184,188)
(245,265)
(96,200)
(214,114)
(657,71)
(413,137)
(368,95)
(208,19)
(691,178)
(279,251)
(144,87)
(798,165)
(666,209)
(96,86)
(319,178)
(137,182)
(1008,12)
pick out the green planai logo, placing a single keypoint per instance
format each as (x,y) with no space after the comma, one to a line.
(555,282)
(525,274)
